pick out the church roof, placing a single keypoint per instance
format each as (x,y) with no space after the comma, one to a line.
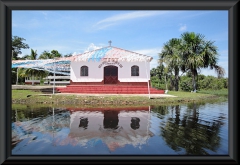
(62,64)
(111,53)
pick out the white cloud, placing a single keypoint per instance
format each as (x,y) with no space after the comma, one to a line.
(153,63)
(131,15)
(92,47)
(110,21)
(75,53)
(183,27)
(149,52)
(105,26)
(197,14)
(153,53)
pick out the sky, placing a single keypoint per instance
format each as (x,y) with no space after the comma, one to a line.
(140,31)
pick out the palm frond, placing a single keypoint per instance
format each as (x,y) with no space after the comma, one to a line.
(220,71)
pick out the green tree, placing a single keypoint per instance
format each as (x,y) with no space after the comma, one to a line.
(171,55)
(21,75)
(32,56)
(199,53)
(158,72)
(17,45)
(33,72)
(45,55)
(186,83)
(55,53)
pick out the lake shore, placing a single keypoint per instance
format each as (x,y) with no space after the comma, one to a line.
(32,95)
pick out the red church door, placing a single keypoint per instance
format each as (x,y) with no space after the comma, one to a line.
(110,74)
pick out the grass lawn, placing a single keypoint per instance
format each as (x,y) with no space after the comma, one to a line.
(221,92)
(32,97)
(20,94)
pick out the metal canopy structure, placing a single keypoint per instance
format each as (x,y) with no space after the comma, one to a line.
(58,66)
(62,65)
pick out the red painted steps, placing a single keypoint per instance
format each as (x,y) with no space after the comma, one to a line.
(108,89)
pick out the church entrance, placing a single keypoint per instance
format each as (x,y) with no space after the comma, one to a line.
(110,74)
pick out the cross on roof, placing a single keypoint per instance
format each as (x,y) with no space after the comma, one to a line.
(110,42)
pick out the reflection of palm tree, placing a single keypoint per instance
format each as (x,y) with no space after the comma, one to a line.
(161,111)
(191,134)
(177,119)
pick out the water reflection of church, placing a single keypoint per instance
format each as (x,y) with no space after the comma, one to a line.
(116,128)
(110,121)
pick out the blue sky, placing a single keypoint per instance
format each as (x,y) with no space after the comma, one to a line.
(142,31)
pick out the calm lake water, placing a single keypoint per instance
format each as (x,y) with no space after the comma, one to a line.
(191,129)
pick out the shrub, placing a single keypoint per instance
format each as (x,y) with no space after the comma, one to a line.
(210,82)
(186,83)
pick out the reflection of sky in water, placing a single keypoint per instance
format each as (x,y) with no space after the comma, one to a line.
(157,132)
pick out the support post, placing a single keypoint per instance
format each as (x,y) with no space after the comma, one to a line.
(17,77)
(53,125)
(149,115)
(147,79)
(54,77)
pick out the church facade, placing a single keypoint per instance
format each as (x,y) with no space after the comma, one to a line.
(110,65)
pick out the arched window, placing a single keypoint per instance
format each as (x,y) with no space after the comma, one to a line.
(84,71)
(134,70)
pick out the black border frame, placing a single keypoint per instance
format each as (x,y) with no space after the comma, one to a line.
(6,6)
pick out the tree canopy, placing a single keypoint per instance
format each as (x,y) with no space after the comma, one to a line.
(17,45)
(190,53)
(47,55)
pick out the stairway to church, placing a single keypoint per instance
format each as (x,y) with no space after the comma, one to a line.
(108,89)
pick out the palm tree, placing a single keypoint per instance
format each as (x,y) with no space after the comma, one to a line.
(34,72)
(33,55)
(45,55)
(171,55)
(199,53)
(30,71)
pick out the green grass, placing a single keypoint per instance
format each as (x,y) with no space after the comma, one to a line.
(221,92)
(189,94)
(31,97)
(20,94)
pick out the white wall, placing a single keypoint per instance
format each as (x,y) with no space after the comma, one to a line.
(95,71)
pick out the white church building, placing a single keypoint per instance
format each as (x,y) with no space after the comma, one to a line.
(110,65)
